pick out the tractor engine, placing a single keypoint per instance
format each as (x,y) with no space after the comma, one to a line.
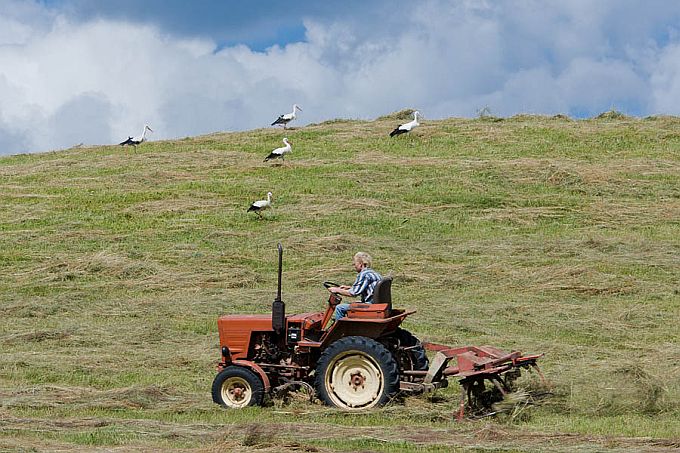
(264,349)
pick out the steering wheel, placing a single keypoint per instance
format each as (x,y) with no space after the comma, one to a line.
(333,298)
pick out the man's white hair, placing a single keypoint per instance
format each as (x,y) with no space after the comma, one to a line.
(364,258)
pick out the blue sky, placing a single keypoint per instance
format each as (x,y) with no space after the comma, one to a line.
(94,72)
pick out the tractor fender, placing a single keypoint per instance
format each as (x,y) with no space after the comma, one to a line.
(256,368)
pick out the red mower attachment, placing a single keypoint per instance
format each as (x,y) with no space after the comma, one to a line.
(473,366)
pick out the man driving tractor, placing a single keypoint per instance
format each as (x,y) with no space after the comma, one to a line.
(363,285)
(360,363)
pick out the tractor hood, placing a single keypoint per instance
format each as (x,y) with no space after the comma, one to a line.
(235,331)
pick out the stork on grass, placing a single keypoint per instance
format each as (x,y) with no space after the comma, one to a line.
(280,152)
(406,127)
(260,205)
(288,117)
(134,141)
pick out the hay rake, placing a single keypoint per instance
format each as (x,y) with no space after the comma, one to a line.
(473,366)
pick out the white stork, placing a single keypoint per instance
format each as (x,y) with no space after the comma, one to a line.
(261,205)
(406,127)
(134,141)
(288,117)
(280,152)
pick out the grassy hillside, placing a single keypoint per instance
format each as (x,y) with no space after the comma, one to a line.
(532,233)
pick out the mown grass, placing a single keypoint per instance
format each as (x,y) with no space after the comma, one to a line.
(533,233)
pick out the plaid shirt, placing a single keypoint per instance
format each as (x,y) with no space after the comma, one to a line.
(365,284)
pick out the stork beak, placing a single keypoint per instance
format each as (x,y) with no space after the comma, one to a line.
(299,108)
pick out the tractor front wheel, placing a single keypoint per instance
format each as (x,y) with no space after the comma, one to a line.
(356,373)
(236,387)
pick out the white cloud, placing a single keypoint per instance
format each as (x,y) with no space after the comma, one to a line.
(665,81)
(64,82)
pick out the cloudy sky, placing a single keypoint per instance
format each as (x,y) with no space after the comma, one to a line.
(94,72)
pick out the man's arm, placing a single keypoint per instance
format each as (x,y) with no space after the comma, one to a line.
(342,290)
(346,290)
(359,286)
(351,291)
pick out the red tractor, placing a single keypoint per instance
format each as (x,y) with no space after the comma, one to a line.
(361,361)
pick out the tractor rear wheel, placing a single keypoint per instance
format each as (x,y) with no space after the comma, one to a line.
(236,387)
(356,373)
(415,358)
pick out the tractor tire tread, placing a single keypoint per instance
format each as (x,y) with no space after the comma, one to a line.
(244,373)
(366,345)
(418,354)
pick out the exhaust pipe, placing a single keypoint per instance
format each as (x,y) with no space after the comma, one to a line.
(279,307)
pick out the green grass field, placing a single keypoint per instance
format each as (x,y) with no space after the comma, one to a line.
(533,233)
